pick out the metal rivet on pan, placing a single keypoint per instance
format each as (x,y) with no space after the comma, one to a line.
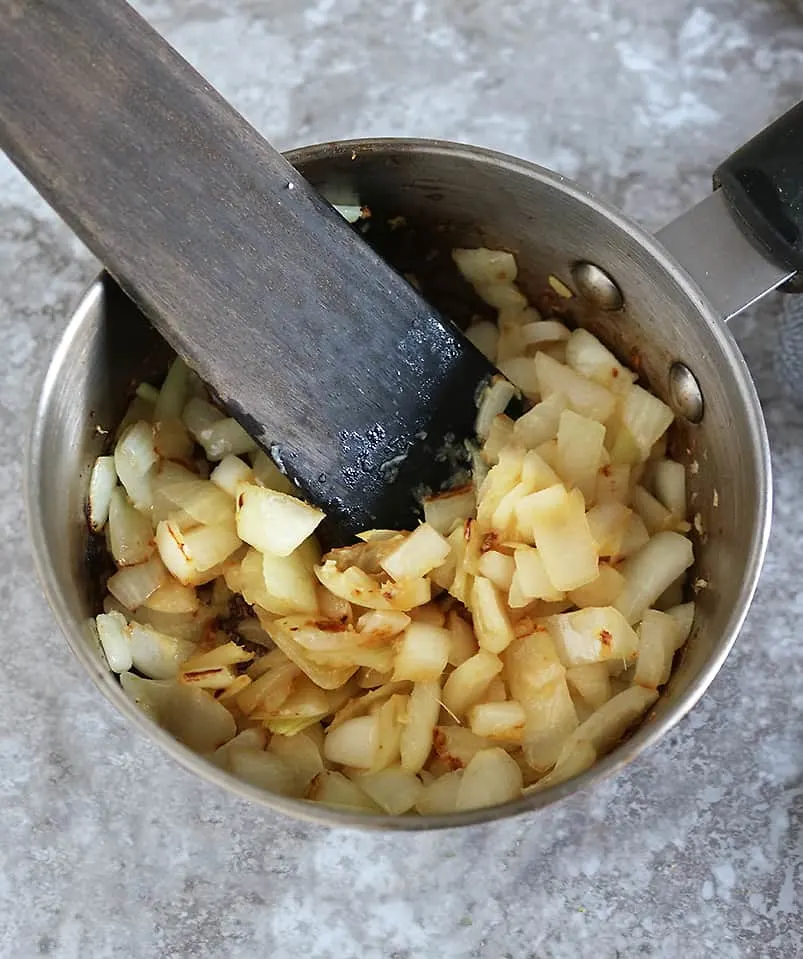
(597,287)
(685,393)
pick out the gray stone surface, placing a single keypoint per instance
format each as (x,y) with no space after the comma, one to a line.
(107,849)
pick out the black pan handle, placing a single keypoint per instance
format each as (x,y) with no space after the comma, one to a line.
(763,183)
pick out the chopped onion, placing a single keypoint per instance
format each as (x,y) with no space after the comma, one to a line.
(684,617)
(130,533)
(422,653)
(173,597)
(482,267)
(393,790)
(225,438)
(101,485)
(274,522)
(155,654)
(351,212)
(301,754)
(583,395)
(521,372)
(421,552)
(417,733)
(467,683)
(230,472)
(199,417)
(645,418)
(544,331)
(587,356)
(443,511)
(494,401)
(353,743)
(133,585)
(440,796)
(171,439)
(498,720)
(456,746)
(592,635)
(541,422)
(266,770)
(649,572)
(605,727)
(268,474)
(496,612)
(113,635)
(592,682)
(491,621)
(170,402)
(492,777)
(191,715)
(334,789)
(134,458)
(669,482)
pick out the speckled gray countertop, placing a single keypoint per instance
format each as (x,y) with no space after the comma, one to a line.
(108,849)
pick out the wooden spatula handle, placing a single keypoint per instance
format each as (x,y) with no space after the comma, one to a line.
(238,262)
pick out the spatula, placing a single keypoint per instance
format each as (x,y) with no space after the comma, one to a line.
(332,361)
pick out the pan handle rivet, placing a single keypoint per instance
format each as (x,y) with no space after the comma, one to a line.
(685,393)
(594,285)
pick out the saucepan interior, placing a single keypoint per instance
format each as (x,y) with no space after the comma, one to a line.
(447,195)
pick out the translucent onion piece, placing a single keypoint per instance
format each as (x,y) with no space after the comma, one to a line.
(582,395)
(265,770)
(157,655)
(130,533)
(521,372)
(172,396)
(113,637)
(191,715)
(466,685)
(224,438)
(268,474)
(171,439)
(494,401)
(500,721)
(592,635)
(483,267)
(101,484)
(199,417)
(587,356)
(171,597)
(492,777)
(354,742)
(422,716)
(201,499)
(604,728)
(440,796)
(301,754)
(230,472)
(134,458)
(394,790)
(422,653)
(334,789)
(133,585)
(274,522)
(651,570)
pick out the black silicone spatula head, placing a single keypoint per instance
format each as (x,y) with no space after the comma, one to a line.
(332,362)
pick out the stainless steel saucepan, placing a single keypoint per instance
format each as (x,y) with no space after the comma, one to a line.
(659,302)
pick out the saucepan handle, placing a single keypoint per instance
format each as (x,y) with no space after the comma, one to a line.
(763,184)
(746,238)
